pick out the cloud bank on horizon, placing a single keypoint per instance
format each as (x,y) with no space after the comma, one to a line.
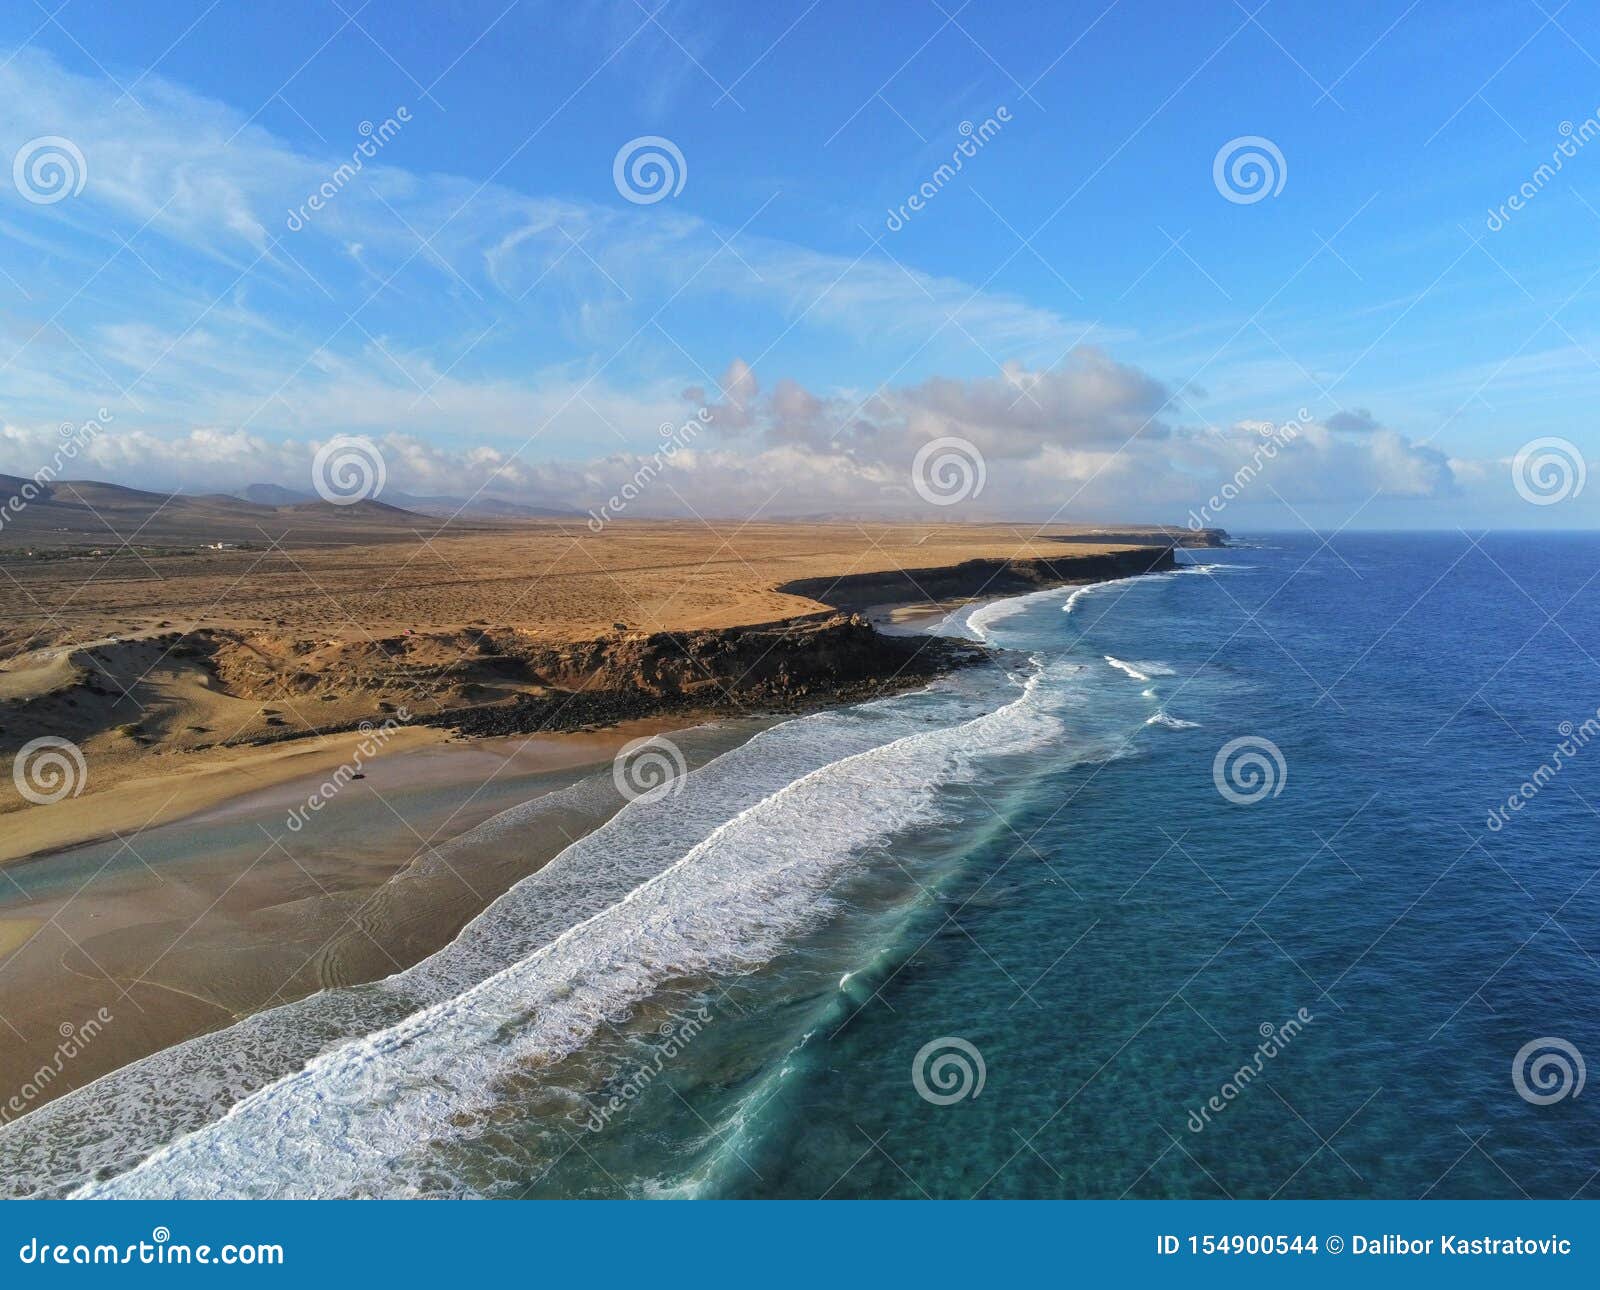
(235,300)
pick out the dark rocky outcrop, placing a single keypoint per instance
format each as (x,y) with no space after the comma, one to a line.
(786,666)
(774,667)
(973,578)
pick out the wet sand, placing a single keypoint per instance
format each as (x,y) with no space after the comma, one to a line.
(178,785)
(184,927)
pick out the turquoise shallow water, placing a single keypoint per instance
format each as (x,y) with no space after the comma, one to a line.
(790,977)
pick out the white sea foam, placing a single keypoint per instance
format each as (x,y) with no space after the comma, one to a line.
(1094,588)
(1140,669)
(1208,569)
(979,619)
(360,1119)
(1215,567)
(953,624)
(111,1124)
(1162,718)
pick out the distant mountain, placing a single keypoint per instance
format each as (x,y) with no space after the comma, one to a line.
(439,507)
(93,514)
(90,513)
(480,505)
(366,506)
(274,495)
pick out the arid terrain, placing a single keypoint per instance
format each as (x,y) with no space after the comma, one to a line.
(211,660)
(178,646)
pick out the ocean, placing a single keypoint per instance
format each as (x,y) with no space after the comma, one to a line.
(1208,885)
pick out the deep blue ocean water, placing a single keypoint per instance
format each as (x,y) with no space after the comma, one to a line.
(1118,933)
(1032,871)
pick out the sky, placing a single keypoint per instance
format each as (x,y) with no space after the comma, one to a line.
(1069,261)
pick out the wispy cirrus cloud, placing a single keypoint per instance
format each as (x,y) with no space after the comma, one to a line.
(178,263)
(529,345)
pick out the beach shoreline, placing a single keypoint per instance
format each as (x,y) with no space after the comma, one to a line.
(125,938)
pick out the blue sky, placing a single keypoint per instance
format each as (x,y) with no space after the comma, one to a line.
(1080,302)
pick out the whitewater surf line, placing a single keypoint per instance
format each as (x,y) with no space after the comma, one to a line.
(363,1119)
(108,1126)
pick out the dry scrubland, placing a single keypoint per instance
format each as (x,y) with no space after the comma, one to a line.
(558,581)
(143,655)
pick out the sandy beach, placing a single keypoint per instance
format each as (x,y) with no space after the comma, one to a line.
(170,889)
(178,928)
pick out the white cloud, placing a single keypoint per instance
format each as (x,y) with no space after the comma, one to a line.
(1093,446)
